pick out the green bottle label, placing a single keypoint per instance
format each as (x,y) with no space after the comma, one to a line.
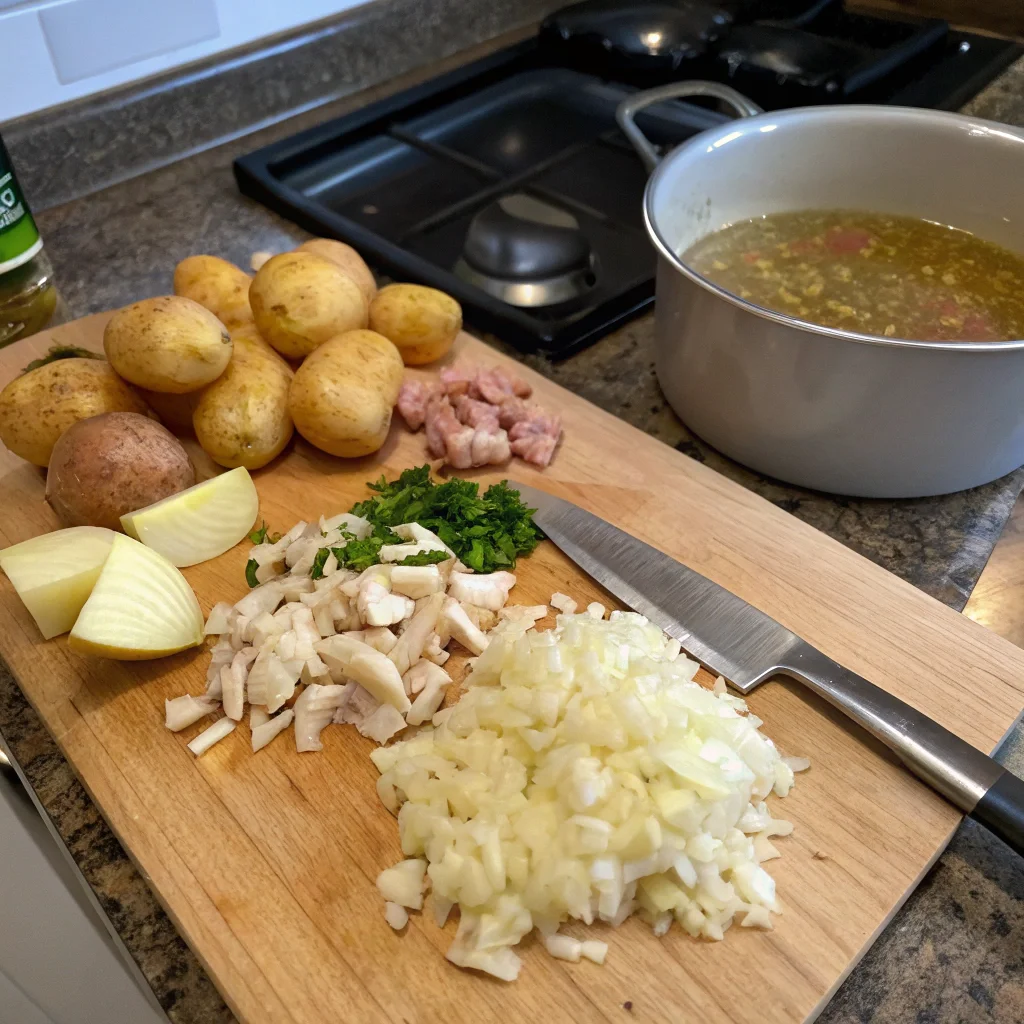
(19,236)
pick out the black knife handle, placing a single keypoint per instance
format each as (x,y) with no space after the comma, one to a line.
(1001,810)
(970,780)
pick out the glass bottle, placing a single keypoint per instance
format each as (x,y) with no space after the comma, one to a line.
(27,293)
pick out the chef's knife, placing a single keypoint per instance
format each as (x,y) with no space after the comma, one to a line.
(733,639)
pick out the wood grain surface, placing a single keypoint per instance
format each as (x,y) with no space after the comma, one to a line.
(267,862)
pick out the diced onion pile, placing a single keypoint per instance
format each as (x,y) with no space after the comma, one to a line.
(583,775)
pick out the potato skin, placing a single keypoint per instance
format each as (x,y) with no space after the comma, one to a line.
(216,285)
(348,259)
(242,418)
(422,322)
(111,464)
(343,394)
(299,300)
(168,344)
(173,411)
(37,407)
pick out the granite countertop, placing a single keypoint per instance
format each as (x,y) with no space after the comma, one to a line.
(951,954)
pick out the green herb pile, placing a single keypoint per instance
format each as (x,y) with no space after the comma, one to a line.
(487,531)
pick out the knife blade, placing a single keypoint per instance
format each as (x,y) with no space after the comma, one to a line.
(734,639)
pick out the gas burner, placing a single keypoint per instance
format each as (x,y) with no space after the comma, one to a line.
(527,253)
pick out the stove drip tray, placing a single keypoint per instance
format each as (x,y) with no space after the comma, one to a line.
(527,253)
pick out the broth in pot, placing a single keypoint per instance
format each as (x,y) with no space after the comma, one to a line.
(880,274)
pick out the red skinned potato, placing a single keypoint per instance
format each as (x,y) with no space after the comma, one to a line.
(112,464)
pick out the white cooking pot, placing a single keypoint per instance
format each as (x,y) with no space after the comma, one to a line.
(818,407)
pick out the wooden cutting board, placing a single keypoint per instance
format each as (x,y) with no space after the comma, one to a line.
(267,862)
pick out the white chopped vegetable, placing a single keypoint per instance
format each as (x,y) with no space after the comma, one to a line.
(421,673)
(563,603)
(416,581)
(314,710)
(350,659)
(457,624)
(257,716)
(585,775)
(359,528)
(181,712)
(380,638)
(528,613)
(396,916)
(214,734)
(384,723)
(430,696)
(232,687)
(263,733)
(797,764)
(485,590)
(403,884)
(220,619)
(563,947)
(409,648)
(434,651)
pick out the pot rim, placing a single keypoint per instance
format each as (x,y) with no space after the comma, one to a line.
(830,113)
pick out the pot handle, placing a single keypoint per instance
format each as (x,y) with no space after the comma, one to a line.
(632,105)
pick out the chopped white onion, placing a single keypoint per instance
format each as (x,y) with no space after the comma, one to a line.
(181,712)
(263,733)
(214,734)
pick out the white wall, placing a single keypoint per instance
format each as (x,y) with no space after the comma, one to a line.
(52,51)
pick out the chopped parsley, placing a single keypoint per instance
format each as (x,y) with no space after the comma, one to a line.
(424,558)
(61,352)
(250,572)
(488,532)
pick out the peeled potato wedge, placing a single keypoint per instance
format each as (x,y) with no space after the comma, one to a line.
(55,573)
(199,523)
(140,607)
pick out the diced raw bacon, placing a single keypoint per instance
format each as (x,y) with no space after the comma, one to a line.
(478,417)
(495,385)
(490,447)
(455,380)
(512,410)
(537,424)
(475,413)
(412,402)
(535,448)
(447,438)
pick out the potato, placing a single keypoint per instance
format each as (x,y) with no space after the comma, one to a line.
(342,395)
(242,418)
(37,407)
(112,464)
(168,344)
(173,411)
(348,259)
(300,300)
(422,322)
(217,285)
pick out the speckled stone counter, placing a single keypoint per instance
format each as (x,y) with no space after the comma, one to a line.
(955,953)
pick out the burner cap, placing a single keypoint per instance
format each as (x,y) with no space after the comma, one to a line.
(527,253)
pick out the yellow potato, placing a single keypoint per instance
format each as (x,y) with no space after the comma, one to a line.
(112,464)
(422,322)
(168,344)
(37,407)
(217,285)
(242,418)
(342,395)
(348,259)
(173,411)
(299,300)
